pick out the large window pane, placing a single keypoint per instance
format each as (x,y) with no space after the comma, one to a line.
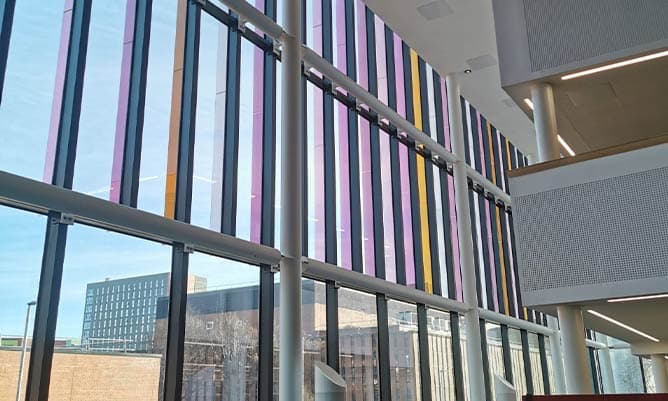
(97,125)
(109,340)
(222,322)
(25,113)
(536,368)
(404,351)
(495,353)
(21,240)
(358,345)
(517,360)
(441,357)
(155,136)
(314,326)
(625,368)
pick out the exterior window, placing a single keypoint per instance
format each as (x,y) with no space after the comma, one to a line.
(358,344)
(404,355)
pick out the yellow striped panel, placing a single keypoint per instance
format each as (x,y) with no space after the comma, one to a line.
(422,178)
(175,114)
(499,238)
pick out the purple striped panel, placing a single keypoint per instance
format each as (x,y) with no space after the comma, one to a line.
(365,146)
(123,99)
(454,233)
(258,121)
(381,59)
(399,76)
(409,262)
(488,228)
(388,213)
(318,144)
(344,162)
(59,86)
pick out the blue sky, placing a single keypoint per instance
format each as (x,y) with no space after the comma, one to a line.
(94,254)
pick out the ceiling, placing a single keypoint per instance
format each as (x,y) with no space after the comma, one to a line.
(456,35)
(609,108)
(594,112)
(649,316)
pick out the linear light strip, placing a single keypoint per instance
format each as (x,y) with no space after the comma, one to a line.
(642,298)
(563,143)
(615,65)
(622,325)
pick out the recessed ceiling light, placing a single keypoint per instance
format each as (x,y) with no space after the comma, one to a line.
(561,140)
(641,298)
(467,71)
(615,65)
(565,145)
(622,325)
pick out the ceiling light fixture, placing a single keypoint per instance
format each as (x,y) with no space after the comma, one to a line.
(563,143)
(616,65)
(467,71)
(641,298)
(622,325)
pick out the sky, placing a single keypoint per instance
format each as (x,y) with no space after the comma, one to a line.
(93,254)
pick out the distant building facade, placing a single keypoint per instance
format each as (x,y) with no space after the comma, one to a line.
(119,315)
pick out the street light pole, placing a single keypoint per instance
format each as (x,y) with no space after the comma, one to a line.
(23,350)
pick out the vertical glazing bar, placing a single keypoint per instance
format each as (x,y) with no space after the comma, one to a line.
(182,203)
(231,142)
(423,346)
(176,328)
(131,99)
(384,373)
(457,357)
(64,127)
(485,361)
(374,148)
(526,359)
(395,168)
(46,314)
(329,151)
(267,218)
(356,239)
(304,139)
(332,317)
(507,354)
(6,20)
(594,370)
(543,364)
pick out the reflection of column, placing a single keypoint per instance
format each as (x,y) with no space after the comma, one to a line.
(660,371)
(476,383)
(606,367)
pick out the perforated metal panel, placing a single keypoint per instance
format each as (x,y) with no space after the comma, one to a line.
(606,231)
(565,31)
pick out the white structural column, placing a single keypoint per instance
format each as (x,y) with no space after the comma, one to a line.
(472,317)
(576,359)
(660,371)
(557,357)
(291,373)
(606,367)
(545,121)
